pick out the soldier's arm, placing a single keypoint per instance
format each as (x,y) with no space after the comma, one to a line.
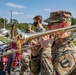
(35,60)
(35,64)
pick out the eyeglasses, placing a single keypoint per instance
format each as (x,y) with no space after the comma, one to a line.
(53,23)
(50,24)
(68,19)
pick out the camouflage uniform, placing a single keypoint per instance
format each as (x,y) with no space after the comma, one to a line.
(25,63)
(26,57)
(64,56)
(58,60)
(39,29)
(73,72)
(57,63)
(39,56)
(41,64)
(29,30)
(25,60)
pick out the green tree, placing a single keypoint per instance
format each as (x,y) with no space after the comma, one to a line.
(3,22)
(15,21)
(73,21)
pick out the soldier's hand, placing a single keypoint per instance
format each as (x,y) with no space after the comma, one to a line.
(26,56)
(46,41)
(35,49)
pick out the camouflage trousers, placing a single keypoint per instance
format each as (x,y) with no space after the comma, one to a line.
(25,64)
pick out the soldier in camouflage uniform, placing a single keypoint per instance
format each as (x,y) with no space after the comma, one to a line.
(56,56)
(26,55)
(38,23)
(29,29)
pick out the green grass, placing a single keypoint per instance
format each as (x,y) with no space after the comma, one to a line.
(3,39)
(74,42)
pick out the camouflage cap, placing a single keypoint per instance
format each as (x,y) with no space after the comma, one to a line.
(58,16)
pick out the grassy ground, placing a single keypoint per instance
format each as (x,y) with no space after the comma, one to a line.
(74,42)
(3,39)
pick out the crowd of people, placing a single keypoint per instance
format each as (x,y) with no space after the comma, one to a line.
(55,55)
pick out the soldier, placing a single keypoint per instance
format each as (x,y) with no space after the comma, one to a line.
(56,55)
(38,23)
(29,29)
(26,56)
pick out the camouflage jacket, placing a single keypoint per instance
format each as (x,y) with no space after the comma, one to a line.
(29,31)
(52,62)
(39,29)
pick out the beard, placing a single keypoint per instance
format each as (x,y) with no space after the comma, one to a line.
(35,24)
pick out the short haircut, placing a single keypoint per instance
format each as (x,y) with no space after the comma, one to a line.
(38,17)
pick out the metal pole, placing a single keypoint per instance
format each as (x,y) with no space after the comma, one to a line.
(4,22)
(11,25)
(11,17)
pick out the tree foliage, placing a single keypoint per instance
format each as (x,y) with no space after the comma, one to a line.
(22,26)
(73,21)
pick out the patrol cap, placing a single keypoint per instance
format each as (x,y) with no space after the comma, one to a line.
(59,16)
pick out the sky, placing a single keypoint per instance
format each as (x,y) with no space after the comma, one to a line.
(25,10)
